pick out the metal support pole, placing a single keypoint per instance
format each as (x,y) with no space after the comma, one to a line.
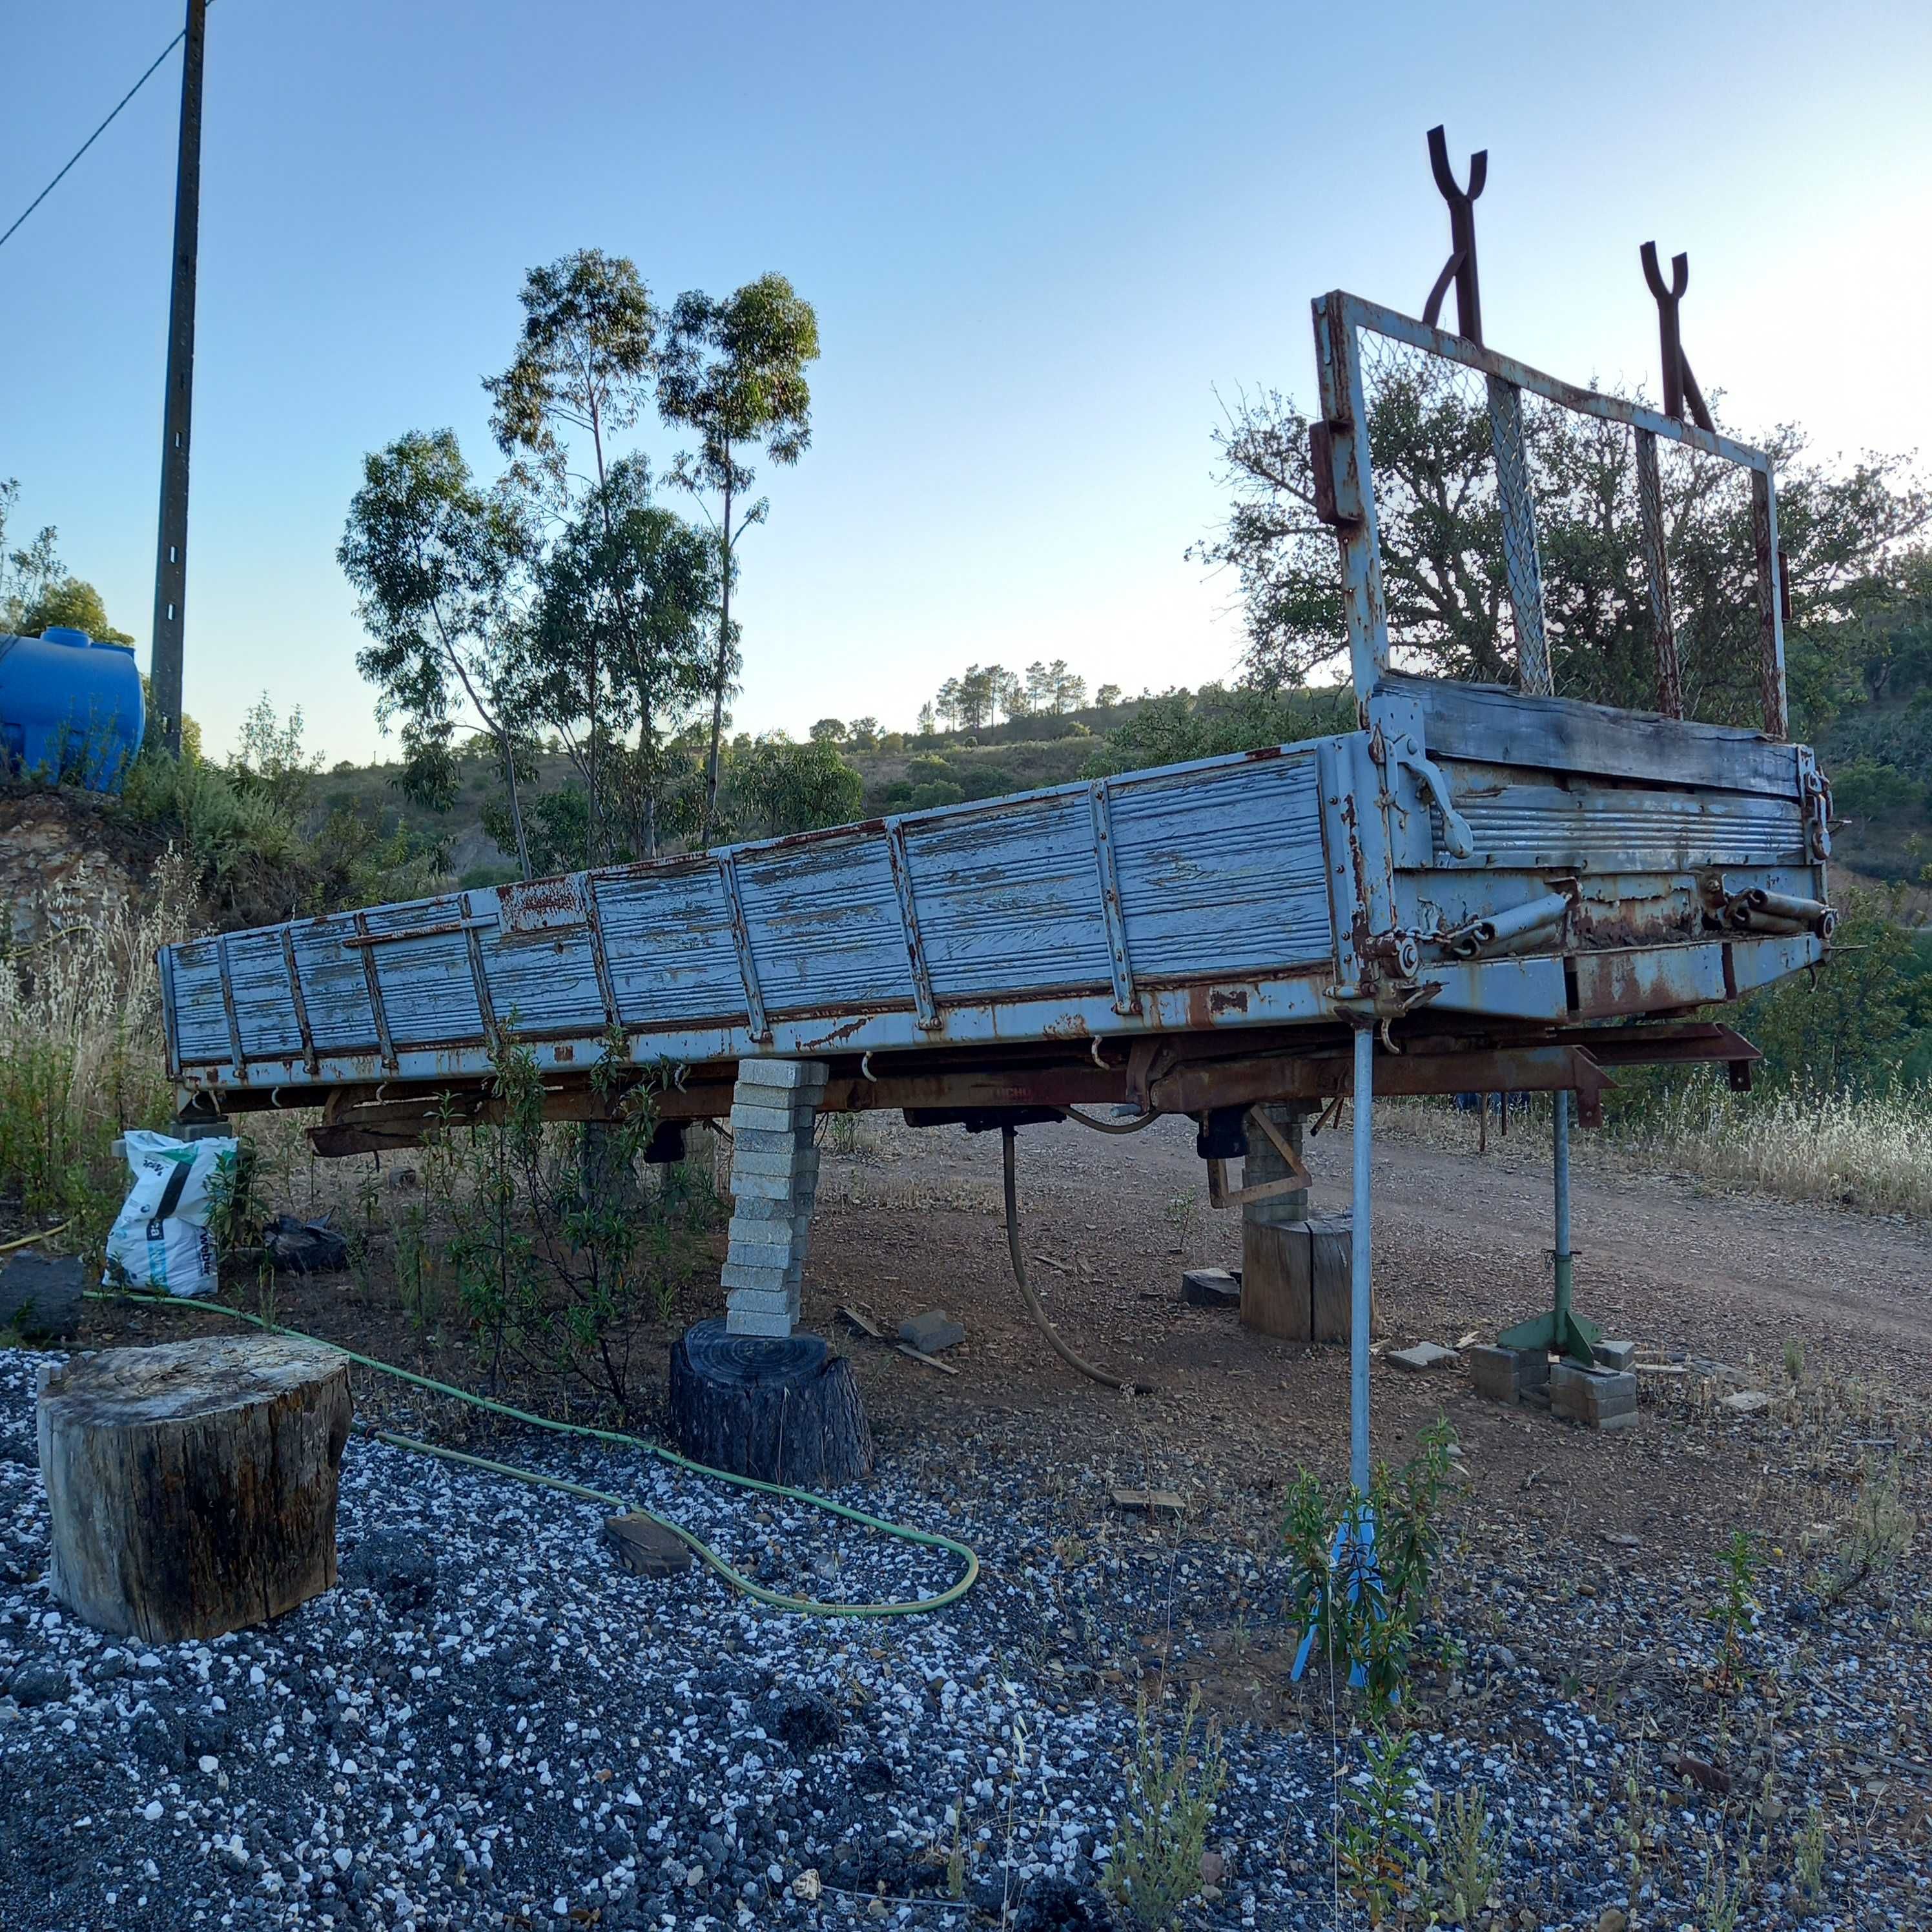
(1359,1271)
(1560,1138)
(1562,1329)
(178,403)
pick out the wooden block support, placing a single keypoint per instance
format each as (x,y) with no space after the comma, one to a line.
(192,1487)
(1295,1279)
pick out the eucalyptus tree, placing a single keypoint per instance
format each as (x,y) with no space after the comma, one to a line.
(434,562)
(733,371)
(626,595)
(582,368)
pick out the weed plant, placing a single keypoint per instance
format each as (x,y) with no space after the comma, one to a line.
(1156,1865)
(80,1054)
(1365,1617)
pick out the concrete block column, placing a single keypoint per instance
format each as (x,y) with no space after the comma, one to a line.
(774,1176)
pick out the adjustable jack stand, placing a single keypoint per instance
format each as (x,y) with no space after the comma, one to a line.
(1561,1330)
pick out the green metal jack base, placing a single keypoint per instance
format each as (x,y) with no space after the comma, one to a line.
(1568,1334)
(1562,1329)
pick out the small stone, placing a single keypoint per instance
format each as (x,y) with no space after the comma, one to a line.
(38,1684)
(396,1565)
(1425,1355)
(151,1811)
(1612,1918)
(931,1332)
(1745,1402)
(645,1547)
(806,1886)
(209,1765)
(1210,1287)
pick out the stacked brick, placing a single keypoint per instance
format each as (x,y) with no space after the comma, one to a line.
(1602,1397)
(774,1175)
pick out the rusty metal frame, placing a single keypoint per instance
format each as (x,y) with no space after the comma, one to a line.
(364,942)
(925,1008)
(1345,496)
(1126,999)
(225,968)
(741,940)
(1196,1072)
(1296,1180)
(298,999)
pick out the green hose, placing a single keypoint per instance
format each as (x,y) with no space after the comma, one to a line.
(777,1600)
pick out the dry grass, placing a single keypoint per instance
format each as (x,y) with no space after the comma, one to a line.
(1875,1154)
(81,1053)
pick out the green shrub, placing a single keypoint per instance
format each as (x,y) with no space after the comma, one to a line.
(1364,1616)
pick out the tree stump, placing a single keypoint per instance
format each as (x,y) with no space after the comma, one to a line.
(193,1486)
(783,1409)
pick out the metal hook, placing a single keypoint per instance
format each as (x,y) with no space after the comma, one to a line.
(1093,1048)
(1460,267)
(1679,385)
(865,1066)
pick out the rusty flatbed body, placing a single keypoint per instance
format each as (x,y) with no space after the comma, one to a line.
(1498,882)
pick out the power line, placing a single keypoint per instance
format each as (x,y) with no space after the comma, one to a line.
(95,136)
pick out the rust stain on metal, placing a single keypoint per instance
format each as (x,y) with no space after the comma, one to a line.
(540,905)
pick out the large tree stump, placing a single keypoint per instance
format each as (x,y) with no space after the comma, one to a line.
(783,1409)
(193,1486)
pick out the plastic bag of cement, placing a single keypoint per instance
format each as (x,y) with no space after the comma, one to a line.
(304,1247)
(161,1238)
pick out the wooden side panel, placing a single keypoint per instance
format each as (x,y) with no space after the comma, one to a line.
(1501,727)
(339,1015)
(1222,875)
(824,921)
(264,1007)
(427,993)
(668,939)
(200,1018)
(1525,820)
(1009,898)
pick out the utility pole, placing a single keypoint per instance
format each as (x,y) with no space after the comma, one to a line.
(171,548)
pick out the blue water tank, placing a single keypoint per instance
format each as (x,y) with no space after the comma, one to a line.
(70,708)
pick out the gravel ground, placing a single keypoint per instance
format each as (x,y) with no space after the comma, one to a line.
(490,1723)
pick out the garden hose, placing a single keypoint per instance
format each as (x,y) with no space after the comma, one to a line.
(27,1241)
(777,1600)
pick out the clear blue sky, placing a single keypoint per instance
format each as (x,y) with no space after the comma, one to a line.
(1037,236)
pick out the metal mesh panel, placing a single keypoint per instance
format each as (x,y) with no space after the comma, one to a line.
(1517,546)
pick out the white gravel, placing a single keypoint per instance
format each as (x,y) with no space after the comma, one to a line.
(490,1723)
